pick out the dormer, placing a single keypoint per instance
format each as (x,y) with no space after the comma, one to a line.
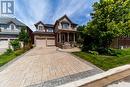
(40,26)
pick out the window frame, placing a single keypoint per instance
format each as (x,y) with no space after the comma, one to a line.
(50,30)
(12,26)
(65,25)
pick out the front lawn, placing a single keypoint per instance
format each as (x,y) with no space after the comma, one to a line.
(6,57)
(106,62)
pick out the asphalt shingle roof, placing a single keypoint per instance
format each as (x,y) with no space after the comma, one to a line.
(6,20)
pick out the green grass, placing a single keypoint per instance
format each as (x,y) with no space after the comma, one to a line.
(5,58)
(106,62)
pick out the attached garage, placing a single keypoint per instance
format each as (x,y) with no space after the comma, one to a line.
(45,42)
(4,43)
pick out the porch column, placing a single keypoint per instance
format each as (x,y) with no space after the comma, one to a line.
(60,37)
(57,37)
(68,37)
(74,36)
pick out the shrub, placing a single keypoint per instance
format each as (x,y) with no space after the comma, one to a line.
(117,52)
(94,52)
(15,44)
(8,51)
(19,52)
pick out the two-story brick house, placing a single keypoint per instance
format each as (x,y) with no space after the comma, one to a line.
(9,30)
(62,34)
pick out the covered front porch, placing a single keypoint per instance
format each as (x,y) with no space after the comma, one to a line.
(66,40)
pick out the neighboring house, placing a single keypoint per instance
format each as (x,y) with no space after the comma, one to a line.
(62,34)
(121,42)
(9,30)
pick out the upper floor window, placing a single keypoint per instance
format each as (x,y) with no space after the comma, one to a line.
(49,30)
(65,25)
(12,27)
(40,27)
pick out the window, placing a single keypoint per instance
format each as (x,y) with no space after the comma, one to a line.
(12,27)
(65,25)
(40,27)
(50,30)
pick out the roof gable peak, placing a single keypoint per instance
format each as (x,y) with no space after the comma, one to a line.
(40,22)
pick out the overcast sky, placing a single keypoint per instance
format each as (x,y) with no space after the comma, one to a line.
(48,11)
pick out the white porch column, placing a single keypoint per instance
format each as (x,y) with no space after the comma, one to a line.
(74,36)
(68,37)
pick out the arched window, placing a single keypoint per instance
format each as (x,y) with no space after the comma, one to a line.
(12,27)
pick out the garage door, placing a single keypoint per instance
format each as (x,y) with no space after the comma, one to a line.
(4,43)
(50,42)
(40,42)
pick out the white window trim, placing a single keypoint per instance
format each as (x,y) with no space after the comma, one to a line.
(50,29)
(42,29)
(11,25)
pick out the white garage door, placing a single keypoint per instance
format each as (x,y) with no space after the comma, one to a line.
(40,42)
(50,42)
(4,43)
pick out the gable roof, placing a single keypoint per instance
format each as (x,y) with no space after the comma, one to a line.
(40,22)
(6,20)
(45,25)
(65,16)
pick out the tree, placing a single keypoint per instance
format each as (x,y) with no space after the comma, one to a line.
(81,34)
(24,37)
(110,19)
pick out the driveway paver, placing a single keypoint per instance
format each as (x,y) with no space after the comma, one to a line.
(45,67)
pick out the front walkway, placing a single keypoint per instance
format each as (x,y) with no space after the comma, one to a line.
(45,67)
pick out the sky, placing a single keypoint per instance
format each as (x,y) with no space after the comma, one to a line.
(48,11)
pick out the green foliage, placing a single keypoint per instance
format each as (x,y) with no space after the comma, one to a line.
(15,44)
(119,52)
(81,34)
(110,19)
(24,36)
(94,52)
(10,55)
(19,52)
(107,62)
(8,51)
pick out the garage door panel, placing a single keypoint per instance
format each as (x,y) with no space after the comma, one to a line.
(44,42)
(4,43)
(50,41)
(41,43)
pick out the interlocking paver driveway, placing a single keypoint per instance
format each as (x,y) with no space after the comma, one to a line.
(43,67)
